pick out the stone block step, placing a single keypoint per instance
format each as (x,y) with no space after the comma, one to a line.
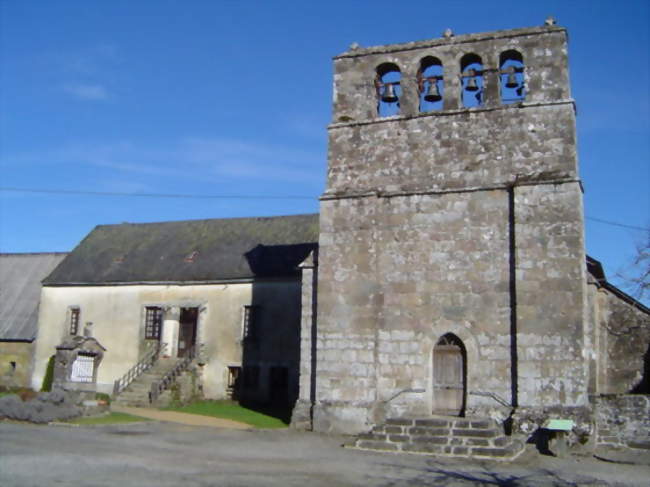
(134,394)
(137,393)
(459,437)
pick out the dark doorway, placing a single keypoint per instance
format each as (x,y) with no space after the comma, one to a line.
(187,330)
(449,376)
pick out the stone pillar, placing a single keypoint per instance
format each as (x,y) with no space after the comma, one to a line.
(410,99)
(452,88)
(170,329)
(491,82)
(301,417)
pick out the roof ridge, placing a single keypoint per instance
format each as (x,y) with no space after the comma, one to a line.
(235,218)
(33,253)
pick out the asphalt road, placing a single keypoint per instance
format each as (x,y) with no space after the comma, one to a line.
(163,454)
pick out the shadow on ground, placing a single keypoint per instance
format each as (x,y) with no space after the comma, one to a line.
(441,476)
(281,411)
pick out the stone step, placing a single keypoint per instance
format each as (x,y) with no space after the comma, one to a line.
(459,437)
(137,393)
(139,388)
(128,393)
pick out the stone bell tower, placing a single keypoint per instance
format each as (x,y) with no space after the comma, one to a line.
(451,267)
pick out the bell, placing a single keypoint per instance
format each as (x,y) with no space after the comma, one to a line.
(389,95)
(471,84)
(432,95)
(511,81)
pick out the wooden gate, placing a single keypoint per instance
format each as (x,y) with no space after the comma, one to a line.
(449,376)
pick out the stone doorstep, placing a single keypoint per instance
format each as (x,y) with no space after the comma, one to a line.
(433,423)
(375,445)
(419,430)
(399,422)
(443,439)
(457,437)
(639,445)
(508,453)
(482,433)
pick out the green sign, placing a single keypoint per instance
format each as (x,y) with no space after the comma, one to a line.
(559,424)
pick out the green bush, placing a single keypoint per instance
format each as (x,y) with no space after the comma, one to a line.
(49,376)
(100,396)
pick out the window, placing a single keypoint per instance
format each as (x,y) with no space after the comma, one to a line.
(430,84)
(153,323)
(471,72)
(250,323)
(74,320)
(389,89)
(251,376)
(511,77)
(83,368)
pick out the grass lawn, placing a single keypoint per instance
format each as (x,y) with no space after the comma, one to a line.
(230,410)
(112,418)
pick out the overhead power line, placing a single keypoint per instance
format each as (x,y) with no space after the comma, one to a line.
(617,224)
(229,196)
(159,195)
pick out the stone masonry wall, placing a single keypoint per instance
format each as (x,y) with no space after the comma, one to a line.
(474,148)
(427,265)
(544,51)
(624,337)
(16,364)
(465,221)
(623,420)
(551,295)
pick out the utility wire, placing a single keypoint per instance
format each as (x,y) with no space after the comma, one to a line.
(231,196)
(616,224)
(159,195)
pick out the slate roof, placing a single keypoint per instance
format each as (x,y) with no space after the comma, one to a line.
(190,251)
(20,292)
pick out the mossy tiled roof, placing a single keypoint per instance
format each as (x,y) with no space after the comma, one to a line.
(190,251)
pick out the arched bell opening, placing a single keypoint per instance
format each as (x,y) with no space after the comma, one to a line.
(511,77)
(471,73)
(449,376)
(430,84)
(389,89)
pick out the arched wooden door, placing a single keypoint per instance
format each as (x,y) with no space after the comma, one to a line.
(449,376)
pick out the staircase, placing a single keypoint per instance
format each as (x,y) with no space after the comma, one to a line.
(441,435)
(136,394)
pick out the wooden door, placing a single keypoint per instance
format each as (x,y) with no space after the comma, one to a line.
(187,330)
(449,377)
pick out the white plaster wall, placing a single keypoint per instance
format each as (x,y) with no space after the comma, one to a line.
(117,315)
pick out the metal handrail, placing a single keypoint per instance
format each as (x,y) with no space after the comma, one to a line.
(166,381)
(144,364)
(418,390)
(491,395)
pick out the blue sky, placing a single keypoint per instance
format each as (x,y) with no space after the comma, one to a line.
(233,98)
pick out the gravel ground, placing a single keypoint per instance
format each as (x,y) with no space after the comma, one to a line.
(165,454)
